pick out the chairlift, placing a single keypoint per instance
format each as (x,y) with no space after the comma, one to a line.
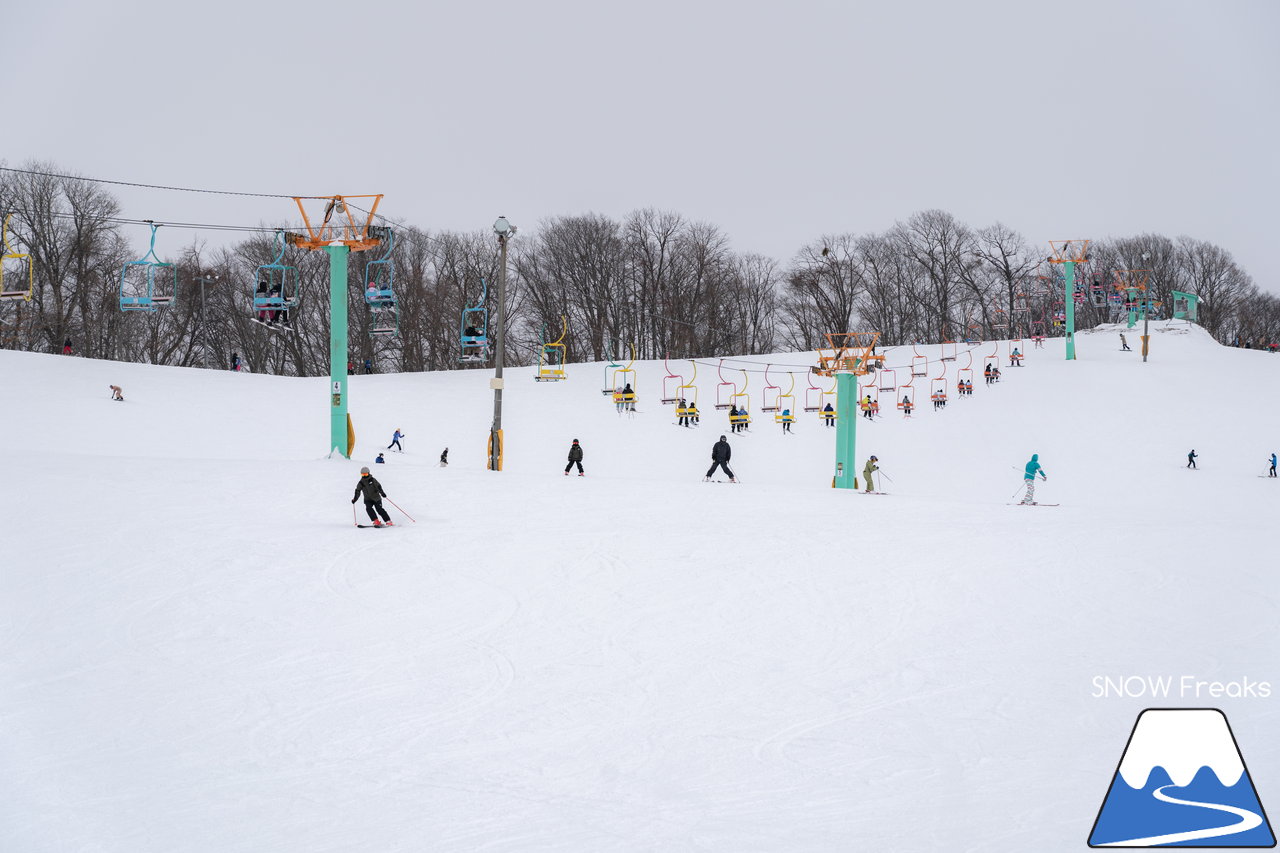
(473,330)
(148,284)
(919,363)
(379,292)
(742,400)
(624,377)
(21,283)
(887,379)
(551,356)
(671,383)
(786,412)
(275,289)
(812,395)
(724,389)
(769,401)
(687,395)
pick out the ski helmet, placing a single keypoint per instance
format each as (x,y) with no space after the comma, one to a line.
(364,470)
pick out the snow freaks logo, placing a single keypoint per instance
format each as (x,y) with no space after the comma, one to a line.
(1181,782)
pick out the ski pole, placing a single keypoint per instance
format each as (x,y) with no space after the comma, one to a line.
(354,520)
(402,512)
(886,476)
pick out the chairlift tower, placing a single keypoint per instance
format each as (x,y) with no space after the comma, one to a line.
(1069,253)
(339,234)
(847,356)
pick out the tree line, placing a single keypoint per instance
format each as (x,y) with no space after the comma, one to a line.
(653,281)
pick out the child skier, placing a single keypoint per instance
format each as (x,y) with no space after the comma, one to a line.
(373,495)
(870,468)
(1191,459)
(395,441)
(1029,477)
(575,458)
(720,454)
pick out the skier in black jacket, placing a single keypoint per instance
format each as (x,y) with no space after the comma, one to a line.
(373,495)
(720,454)
(575,458)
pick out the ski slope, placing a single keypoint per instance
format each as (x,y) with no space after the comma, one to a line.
(199,652)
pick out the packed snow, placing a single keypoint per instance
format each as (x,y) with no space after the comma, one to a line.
(199,651)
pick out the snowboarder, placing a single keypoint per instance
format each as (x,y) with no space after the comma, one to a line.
(720,454)
(871,467)
(1191,459)
(66,346)
(575,458)
(1029,478)
(117,394)
(380,460)
(1273,466)
(1124,345)
(373,494)
(444,458)
(395,441)
(829,415)
(786,420)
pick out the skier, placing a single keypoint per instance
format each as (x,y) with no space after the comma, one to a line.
(380,460)
(693,414)
(395,441)
(236,364)
(261,294)
(870,468)
(1124,345)
(117,394)
(995,374)
(66,346)
(373,495)
(987,373)
(368,366)
(371,293)
(786,420)
(1191,459)
(575,458)
(720,454)
(968,388)
(444,458)
(866,407)
(683,411)
(1015,358)
(1029,477)
(1273,465)
(906,406)
(829,415)
(733,419)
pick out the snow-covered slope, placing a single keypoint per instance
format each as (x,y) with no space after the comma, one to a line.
(198,651)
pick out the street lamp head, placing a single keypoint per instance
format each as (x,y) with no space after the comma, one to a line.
(503,228)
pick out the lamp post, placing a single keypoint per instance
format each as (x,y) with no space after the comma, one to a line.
(204,317)
(505,231)
(1146,313)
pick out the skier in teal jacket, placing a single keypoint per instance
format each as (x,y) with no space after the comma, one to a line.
(1033,468)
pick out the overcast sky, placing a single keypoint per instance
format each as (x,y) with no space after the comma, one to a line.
(777,121)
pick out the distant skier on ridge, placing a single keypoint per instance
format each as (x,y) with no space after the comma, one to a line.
(1273,466)
(1029,477)
(1191,459)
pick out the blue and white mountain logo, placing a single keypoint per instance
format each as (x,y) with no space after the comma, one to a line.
(1182,783)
